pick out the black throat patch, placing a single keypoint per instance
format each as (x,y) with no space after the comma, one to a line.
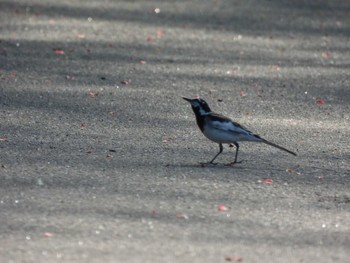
(200,121)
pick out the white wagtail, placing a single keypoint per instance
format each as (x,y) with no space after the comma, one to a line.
(221,129)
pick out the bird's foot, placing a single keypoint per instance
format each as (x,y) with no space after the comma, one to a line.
(208,164)
(233,163)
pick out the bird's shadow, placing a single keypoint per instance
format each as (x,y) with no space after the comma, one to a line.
(221,166)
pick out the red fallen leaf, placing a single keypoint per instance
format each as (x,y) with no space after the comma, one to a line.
(124,82)
(160,33)
(92,94)
(3,139)
(82,125)
(149,39)
(47,234)
(196,97)
(181,216)
(320,102)
(242,94)
(142,62)
(268,181)
(222,208)
(59,51)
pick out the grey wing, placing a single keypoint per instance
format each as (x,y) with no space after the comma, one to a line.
(224,123)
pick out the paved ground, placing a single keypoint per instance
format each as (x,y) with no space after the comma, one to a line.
(100,155)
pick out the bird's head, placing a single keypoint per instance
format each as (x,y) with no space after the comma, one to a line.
(199,106)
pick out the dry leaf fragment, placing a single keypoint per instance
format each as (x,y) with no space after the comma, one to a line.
(242,94)
(292,171)
(93,94)
(228,258)
(68,77)
(181,216)
(326,54)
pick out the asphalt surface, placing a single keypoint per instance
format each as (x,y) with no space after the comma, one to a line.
(100,155)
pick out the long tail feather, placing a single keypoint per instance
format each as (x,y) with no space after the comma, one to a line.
(279,147)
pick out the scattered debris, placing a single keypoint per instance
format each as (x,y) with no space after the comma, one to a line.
(292,171)
(268,181)
(59,51)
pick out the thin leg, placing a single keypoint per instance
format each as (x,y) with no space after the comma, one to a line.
(237,148)
(221,149)
(236,156)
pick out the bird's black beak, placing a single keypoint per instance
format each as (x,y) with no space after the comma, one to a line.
(189,100)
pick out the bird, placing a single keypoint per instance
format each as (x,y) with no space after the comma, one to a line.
(222,130)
